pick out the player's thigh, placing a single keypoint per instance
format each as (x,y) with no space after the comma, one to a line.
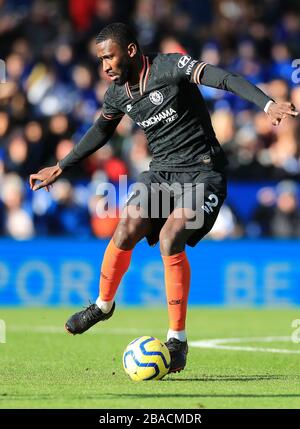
(135,222)
(176,231)
(132,227)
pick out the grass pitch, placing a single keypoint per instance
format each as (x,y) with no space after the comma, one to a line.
(41,366)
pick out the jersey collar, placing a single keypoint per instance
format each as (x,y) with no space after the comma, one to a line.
(143,78)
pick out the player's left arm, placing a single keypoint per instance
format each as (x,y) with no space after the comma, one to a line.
(216,77)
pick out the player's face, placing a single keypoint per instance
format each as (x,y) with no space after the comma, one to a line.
(115,60)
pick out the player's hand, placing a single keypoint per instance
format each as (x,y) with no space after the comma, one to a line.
(46,176)
(279,111)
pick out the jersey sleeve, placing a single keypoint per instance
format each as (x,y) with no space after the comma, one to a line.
(216,77)
(98,135)
(184,67)
(109,110)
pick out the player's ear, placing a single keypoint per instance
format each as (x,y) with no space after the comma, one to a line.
(132,49)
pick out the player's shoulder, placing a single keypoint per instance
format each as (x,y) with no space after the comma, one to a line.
(166,59)
(171,66)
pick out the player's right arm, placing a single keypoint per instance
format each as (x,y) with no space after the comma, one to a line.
(194,71)
(94,139)
(217,77)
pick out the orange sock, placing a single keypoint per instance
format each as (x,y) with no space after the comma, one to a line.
(177,280)
(114,265)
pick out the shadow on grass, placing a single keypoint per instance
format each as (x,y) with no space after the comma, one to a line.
(256,377)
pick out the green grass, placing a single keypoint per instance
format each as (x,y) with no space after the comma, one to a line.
(43,369)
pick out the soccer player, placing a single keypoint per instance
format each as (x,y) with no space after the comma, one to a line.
(160,93)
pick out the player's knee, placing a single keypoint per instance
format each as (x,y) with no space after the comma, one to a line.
(171,242)
(127,234)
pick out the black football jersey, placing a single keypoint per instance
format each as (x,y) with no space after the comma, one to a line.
(169,107)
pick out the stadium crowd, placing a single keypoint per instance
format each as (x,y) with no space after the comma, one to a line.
(57,89)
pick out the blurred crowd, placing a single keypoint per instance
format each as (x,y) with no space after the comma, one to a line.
(56,89)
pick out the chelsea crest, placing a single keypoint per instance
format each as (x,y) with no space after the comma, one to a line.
(156,97)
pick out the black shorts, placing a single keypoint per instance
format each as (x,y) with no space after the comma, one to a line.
(206,203)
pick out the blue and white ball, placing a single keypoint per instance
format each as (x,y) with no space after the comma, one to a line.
(146,358)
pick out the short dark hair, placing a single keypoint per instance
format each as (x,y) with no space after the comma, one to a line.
(119,33)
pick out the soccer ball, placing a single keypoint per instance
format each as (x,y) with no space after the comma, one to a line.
(146,358)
